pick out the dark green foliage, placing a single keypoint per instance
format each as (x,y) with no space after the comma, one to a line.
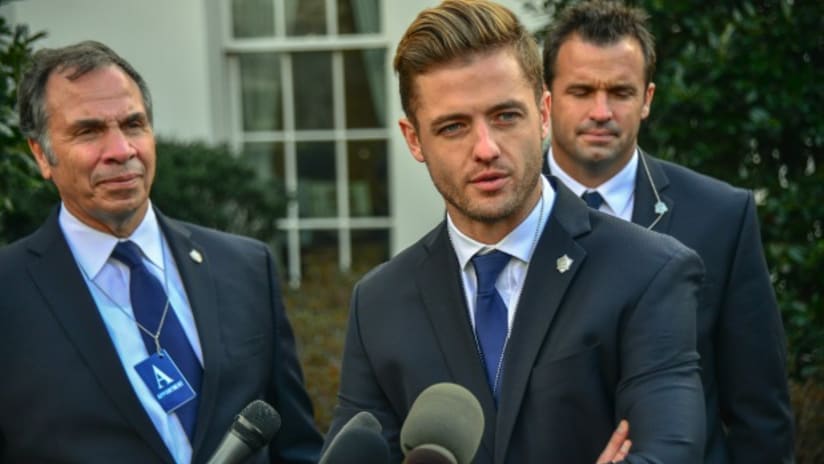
(25,198)
(210,186)
(739,97)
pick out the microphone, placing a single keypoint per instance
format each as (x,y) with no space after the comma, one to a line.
(252,429)
(358,441)
(430,454)
(444,426)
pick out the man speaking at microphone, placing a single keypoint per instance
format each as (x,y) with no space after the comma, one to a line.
(521,294)
(128,336)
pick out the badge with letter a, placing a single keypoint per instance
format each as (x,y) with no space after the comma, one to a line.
(168,385)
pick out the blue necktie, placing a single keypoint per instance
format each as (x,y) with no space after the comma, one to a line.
(490,313)
(593,199)
(148,303)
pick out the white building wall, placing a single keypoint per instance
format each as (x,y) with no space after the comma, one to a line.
(416,205)
(163,39)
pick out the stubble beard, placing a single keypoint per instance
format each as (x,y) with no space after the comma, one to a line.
(491,210)
(596,161)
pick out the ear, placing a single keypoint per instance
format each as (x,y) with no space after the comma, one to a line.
(544,107)
(40,157)
(648,100)
(410,134)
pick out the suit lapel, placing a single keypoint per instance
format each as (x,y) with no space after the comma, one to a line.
(643,212)
(543,291)
(200,290)
(439,284)
(56,274)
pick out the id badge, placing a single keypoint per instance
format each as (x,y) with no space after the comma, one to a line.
(168,385)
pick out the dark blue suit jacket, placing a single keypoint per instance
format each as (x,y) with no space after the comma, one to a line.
(64,395)
(740,334)
(612,337)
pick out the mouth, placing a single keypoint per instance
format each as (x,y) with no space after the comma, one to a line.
(121,181)
(598,136)
(489,181)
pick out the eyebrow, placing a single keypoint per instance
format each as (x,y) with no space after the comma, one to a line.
(94,123)
(613,86)
(135,117)
(444,118)
(508,105)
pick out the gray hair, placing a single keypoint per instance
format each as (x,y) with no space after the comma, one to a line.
(79,59)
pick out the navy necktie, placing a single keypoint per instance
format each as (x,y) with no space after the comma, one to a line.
(593,199)
(490,313)
(149,301)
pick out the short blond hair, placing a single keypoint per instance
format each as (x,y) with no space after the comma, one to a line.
(458,29)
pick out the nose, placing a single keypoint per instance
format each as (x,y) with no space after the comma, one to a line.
(601,110)
(118,148)
(486,148)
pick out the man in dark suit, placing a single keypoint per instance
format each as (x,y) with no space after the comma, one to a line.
(574,333)
(108,286)
(599,60)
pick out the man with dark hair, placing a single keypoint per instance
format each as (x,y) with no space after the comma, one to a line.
(519,295)
(599,60)
(129,336)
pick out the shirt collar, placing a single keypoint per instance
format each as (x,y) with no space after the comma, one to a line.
(518,243)
(92,248)
(617,191)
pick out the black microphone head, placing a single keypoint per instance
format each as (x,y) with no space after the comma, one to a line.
(358,441)
(363,419)
(430,454)
(447,416)
(257,424)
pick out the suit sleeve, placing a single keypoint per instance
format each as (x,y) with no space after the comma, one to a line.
(359,387)
(660,389)
(298,440)
(751,355)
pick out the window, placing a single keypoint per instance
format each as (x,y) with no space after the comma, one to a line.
(308,89)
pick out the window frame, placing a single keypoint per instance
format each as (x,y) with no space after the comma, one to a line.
(292,224)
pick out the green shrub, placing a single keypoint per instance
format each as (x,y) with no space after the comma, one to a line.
(210,186)
(25,197)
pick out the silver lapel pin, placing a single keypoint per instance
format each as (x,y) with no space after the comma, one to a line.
(196,256)
(564,263)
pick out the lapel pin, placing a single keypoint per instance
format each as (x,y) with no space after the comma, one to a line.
(661,207)
(196,256)
(564,263)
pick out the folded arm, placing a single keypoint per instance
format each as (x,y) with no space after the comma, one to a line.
(660,390)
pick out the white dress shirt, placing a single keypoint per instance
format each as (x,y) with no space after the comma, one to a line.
(108,282)
(618,192)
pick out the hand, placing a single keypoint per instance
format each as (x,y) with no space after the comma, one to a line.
(618,446)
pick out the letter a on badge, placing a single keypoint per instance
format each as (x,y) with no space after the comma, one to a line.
(162,379)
